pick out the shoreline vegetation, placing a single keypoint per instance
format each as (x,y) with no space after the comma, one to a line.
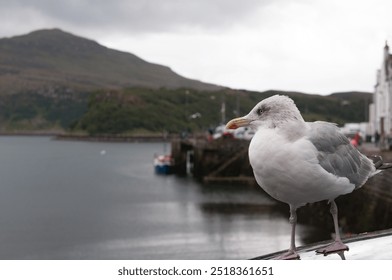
(158,137)
(114,138)
(146,112)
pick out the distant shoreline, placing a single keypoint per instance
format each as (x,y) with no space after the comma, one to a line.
(89,138)
(30,133)
(112,138)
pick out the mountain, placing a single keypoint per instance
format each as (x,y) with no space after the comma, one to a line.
(51,80)
(54,58)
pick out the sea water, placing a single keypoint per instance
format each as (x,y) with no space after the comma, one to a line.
(96,200)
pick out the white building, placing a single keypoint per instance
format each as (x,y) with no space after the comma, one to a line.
(380,112)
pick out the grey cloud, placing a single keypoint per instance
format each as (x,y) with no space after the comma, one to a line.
(137,15)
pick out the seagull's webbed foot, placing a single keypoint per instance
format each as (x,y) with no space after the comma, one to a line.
(289,255)
(335,247)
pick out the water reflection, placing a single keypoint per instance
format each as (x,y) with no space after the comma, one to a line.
(65,200)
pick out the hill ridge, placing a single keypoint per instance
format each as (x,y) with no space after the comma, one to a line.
(52,57)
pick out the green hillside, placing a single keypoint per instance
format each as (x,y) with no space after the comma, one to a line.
(34,111)
(172,110)
(136,110)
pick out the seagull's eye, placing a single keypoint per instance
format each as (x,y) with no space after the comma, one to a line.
(259,111)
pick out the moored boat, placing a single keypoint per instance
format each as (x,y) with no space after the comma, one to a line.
(163,164)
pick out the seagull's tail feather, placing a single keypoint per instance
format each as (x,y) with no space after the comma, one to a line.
(379,163)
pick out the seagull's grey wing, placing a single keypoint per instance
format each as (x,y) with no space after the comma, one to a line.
(337,156)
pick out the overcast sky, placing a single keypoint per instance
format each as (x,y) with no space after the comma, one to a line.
(314,46)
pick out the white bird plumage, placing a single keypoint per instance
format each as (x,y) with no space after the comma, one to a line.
(299,162)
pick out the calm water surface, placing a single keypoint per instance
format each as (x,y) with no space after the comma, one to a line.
(71,200)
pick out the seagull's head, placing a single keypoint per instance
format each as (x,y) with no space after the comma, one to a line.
(270,112)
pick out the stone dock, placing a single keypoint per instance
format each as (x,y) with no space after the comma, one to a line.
(224,160)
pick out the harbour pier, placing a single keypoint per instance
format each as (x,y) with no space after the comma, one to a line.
(224,160)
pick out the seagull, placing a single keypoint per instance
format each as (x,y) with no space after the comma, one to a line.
(300,162)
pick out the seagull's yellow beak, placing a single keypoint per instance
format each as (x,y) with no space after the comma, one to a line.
(238,122)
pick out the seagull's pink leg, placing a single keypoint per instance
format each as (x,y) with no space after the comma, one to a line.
(291,254)
(337,246)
